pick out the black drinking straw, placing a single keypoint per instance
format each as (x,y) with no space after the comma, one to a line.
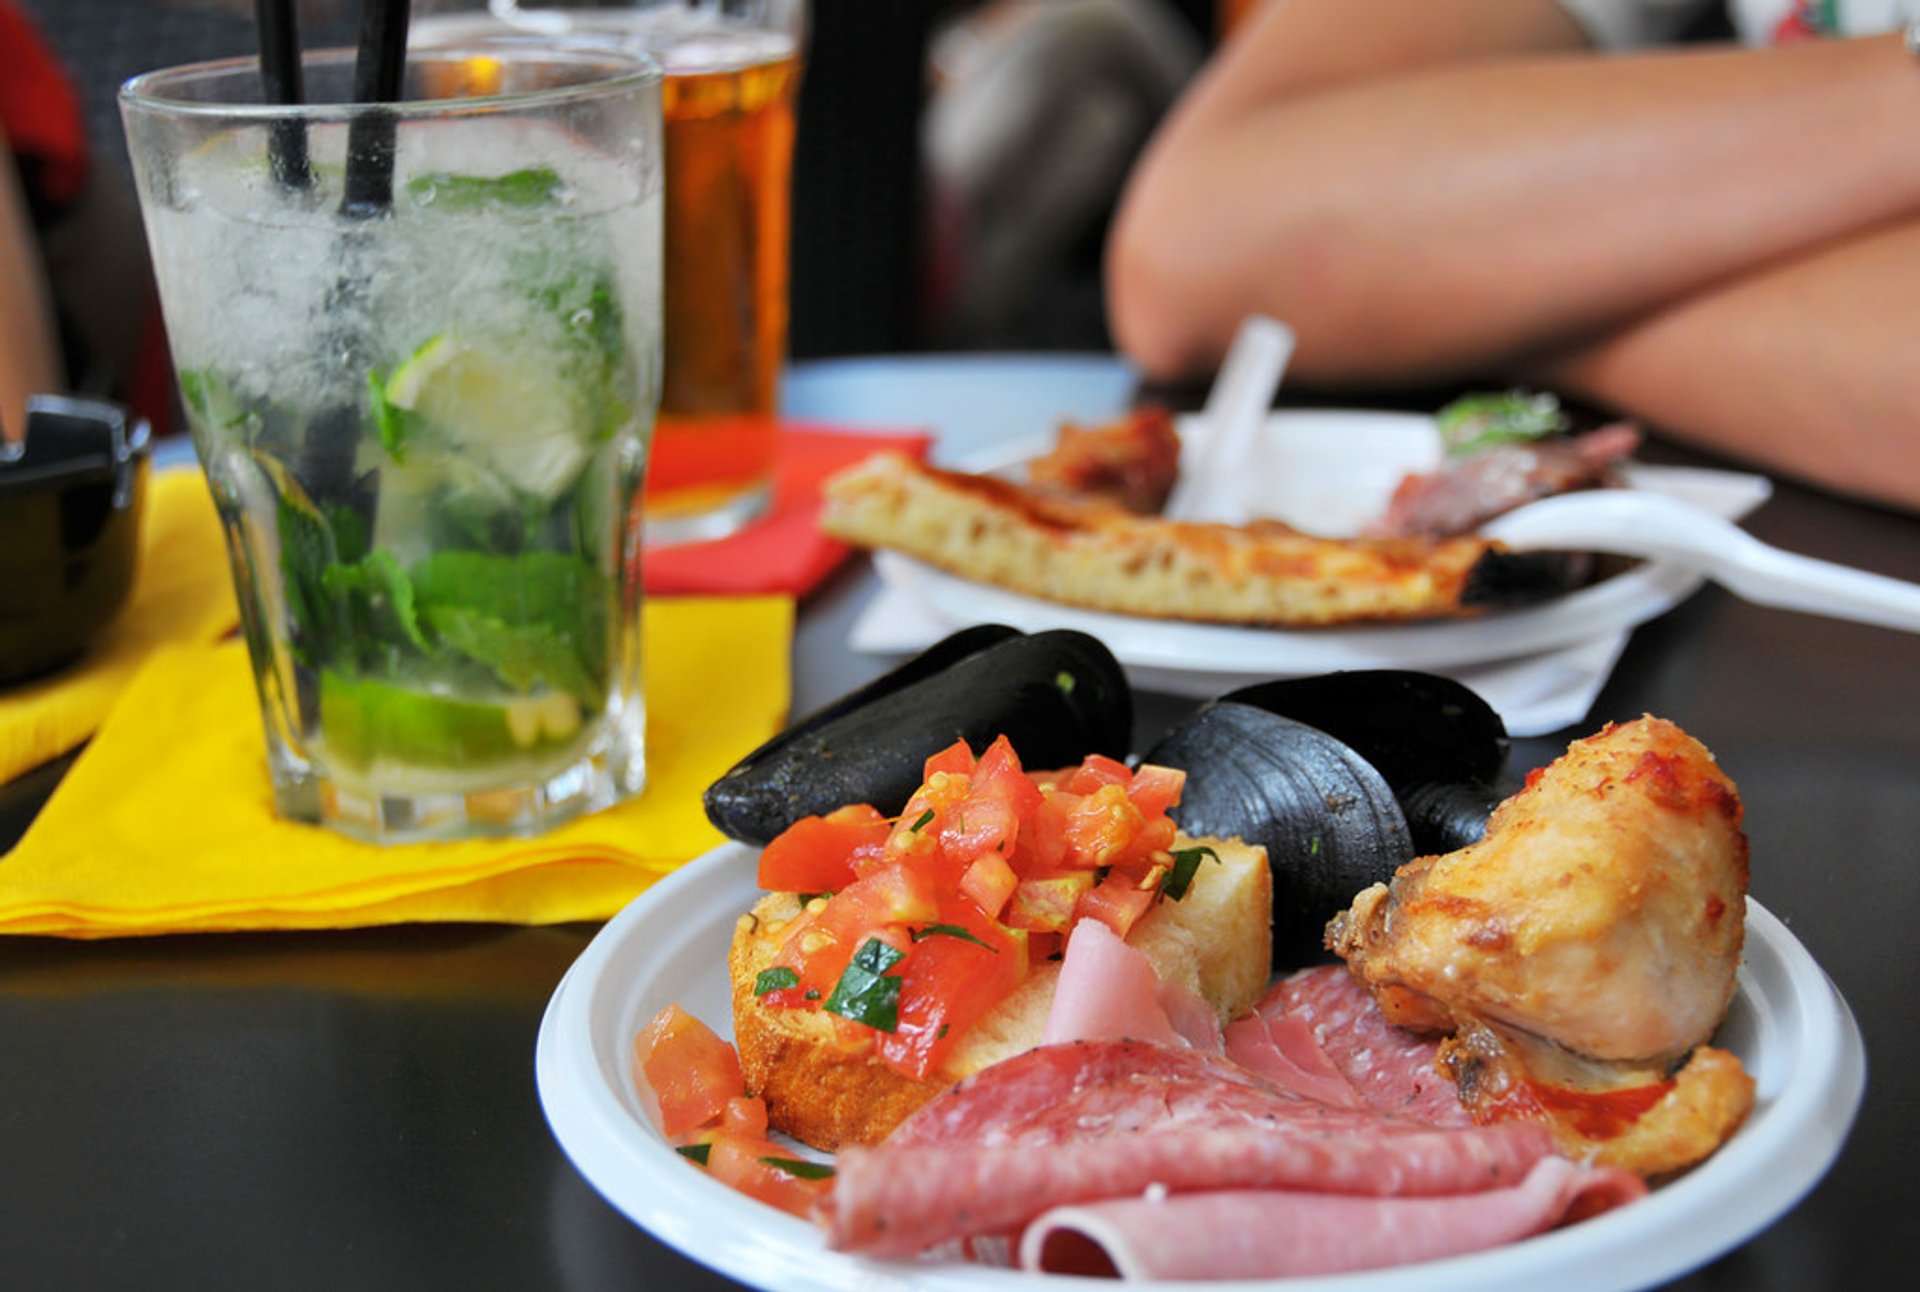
(280,82)
(378,68)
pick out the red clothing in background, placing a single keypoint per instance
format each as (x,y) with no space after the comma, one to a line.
(40,113)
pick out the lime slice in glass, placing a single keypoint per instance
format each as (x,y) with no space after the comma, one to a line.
(365,721)
(508,408)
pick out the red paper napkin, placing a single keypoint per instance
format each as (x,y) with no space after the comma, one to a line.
(783,552)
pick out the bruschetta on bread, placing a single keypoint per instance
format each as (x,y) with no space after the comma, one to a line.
(827,1088)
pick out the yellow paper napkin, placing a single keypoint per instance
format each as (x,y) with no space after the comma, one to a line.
(165,824)
(182,593)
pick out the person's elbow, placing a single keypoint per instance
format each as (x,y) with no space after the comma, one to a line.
(1156,312)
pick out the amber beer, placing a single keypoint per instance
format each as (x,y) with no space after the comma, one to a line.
(729,153)
(732,76)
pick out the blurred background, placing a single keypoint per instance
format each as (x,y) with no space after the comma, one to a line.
(956,166)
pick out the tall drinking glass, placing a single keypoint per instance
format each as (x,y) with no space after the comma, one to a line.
(732,74)
(419,348)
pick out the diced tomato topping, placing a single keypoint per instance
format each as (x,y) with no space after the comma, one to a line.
(690,1079)
(819,946)
(1117,901)
(916,835)
(999,775)
(1042,844)
(821,854)
(686,1071)
(745,1115)
(989,882)
(1011,857)
(977,826)
(1101,825)
(751,1165)
(1096,771)
(1155,789)
(956,760)
(953,977)
(1045,902)
(988,820)
(1149,846)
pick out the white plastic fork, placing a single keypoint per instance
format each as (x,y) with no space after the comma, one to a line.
(1214,462)
(1632,522)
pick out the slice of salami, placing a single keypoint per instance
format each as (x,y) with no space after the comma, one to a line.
(1282,1048)
(1069,1124)
(1056,1093)
(1391,1068)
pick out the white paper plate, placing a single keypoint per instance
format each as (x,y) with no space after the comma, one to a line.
(1788,1025)
(1332,471)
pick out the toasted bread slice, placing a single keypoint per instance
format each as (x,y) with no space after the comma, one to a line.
(1215,941)
(1095,554)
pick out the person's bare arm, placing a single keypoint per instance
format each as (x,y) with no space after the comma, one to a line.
(1423,187)
(29,362)
(1808,367)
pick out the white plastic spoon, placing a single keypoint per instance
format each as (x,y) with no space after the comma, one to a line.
(1637,523)
(1219,445)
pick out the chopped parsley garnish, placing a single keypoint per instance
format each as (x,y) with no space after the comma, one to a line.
(951,931)
(778,978)
(921,824)
(799,1168)
(696,1152)
(1186,863)
(864,993)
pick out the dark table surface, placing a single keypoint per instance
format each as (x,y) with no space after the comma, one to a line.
(358,1110)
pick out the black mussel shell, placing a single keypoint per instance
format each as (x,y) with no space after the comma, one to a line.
(1057,696)
(1437,743)
(943,654)
(1328,820)
(1446,818)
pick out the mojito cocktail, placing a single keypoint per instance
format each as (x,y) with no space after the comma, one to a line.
(424,418)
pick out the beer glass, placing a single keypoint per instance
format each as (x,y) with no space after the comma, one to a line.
(732,73)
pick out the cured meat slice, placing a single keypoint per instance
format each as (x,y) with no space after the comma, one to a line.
(1067,1124)
(1389,1068)
(1459,498)
(1283,1234)
(1108,990)
(1283,1049)
(894,1201)
(1056,1093)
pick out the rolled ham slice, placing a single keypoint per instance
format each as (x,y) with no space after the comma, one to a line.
(1109,991)
(1283,1234)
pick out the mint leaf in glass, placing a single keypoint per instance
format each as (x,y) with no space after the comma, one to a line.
(532,186)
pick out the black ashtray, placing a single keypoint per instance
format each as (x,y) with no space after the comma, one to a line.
(71,493)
